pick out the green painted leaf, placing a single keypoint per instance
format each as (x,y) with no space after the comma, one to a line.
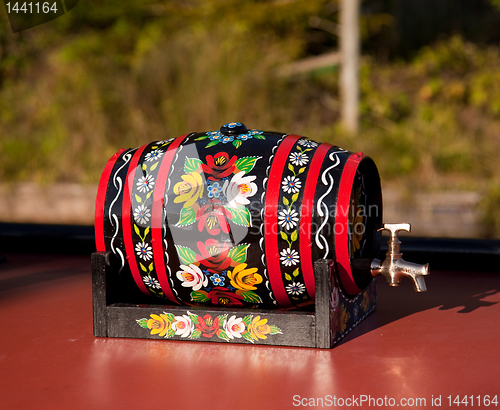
(275,330)
(246,164)
(238,253)
(237,143)
(146,231)
(240,215)
(251,297)
(149,194)
(295,272)
(187,217)
(286,202)
(196,334)
(151,266)
(136,229)
(293,236)
(222,334)
(194,318)
(192,164)
(142,322)
(247,336)
(222,318)
(199,296)
(154,147)
(138,198)
(144,167)
(154,166)
(170,333)
(301,170)
(143,268)
(288,277)
(295,196)
(284,236)
(170,316)
(290,167)
(259,137)
(212,143)
(247,320)
(186,255)
(203,137)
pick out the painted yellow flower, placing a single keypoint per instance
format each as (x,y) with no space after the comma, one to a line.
(159,324)
(358,229)
(259,328)
(344,317)
(366,301)
(189,190)
(244,279)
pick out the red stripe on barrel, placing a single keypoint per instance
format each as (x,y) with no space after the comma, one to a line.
(157,218)
(342,220)
(101,201)
(271,220)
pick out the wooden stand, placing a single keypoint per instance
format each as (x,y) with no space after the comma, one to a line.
(119,312)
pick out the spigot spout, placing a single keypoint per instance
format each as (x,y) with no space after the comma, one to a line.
(394,267)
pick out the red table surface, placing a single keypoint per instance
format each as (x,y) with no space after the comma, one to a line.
(415,346)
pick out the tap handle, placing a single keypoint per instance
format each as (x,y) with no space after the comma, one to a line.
(395,228)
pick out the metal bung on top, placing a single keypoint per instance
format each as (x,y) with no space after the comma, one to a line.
(233,128)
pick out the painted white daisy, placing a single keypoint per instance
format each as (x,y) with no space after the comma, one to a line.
(142,214)
(151,282)
(288,218)
(289,257)
(143,250)
(308,144)
(296,288)
(145,184)
(298,158)
(291,184)
(154,155)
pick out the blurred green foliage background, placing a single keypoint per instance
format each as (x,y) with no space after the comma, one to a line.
(117,74)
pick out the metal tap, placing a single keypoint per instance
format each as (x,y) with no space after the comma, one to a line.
(394,267)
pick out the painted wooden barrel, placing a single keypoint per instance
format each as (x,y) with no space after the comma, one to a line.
(237,217)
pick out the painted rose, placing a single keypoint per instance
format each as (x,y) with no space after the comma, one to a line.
(182,326)
(213,255)
(239,189)
(244,279)
(234,327)
(159,324)
(219,166)
(221,296)
(259,328)
(207,326)
(213,216)
(189,190)
(192,277)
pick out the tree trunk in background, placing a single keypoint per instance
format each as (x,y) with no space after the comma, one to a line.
(349,74)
